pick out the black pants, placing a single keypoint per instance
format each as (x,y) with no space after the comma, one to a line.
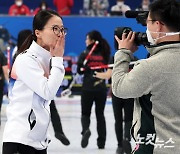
(118,105)
(17,148)
(55,118)
(87,99)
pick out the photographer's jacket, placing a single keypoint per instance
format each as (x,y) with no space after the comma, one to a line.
(31,88)
(155,83)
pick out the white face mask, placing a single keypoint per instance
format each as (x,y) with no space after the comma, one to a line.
(145,7)
(18,3)
(120,3)
(153,41)
(149,37)
(43,7)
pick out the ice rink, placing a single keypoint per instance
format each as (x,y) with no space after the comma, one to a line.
(70,112)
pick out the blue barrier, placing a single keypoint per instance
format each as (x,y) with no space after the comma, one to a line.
(78,26)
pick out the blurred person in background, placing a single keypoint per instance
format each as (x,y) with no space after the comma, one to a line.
(95,7)
(123,114)
(144,6)
(4,77)
(42,6)
(4,70)
(64,6)
(22,36)
(120,8)
(94,90)
(18,8)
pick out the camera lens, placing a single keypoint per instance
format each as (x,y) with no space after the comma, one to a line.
(141,39)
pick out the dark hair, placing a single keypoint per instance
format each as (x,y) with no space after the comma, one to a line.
(39,21)
(166,11)
(103,44)
(22,36)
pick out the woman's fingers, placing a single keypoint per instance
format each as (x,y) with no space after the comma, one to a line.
(58,48)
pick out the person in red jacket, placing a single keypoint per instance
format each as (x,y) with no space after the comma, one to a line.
(42,6)
(18,8)
(64,6)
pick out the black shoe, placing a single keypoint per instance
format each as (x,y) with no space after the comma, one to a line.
(119,150)
(85,138)
(100,143)
(127,146)
(101,147)
(62,138)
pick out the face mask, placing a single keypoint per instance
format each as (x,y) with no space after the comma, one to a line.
(149,37)
(153,41)
(145,7)
(18,3)
(120,3)
(43,7)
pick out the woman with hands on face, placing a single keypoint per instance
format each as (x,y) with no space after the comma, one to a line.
(33,84)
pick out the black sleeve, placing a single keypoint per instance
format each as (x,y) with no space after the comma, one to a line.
(3,59)
(111,61)
(80,63)
(3,62)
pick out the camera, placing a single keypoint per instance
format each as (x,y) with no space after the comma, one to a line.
(140,38)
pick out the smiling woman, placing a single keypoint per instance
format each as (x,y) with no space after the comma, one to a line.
(31,74)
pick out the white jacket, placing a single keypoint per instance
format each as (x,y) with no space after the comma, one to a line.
(31,88)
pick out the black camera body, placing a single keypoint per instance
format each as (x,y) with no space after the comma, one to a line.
(140,38)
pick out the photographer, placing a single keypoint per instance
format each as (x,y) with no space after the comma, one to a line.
(153,82)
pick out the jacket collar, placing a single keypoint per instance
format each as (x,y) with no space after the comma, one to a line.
(161,46)
(40,51)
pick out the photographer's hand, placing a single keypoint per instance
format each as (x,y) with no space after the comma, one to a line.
(127,42)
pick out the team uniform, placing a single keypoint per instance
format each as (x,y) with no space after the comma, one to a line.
(93,90)
(30,97)
(64,6)
(19,10)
